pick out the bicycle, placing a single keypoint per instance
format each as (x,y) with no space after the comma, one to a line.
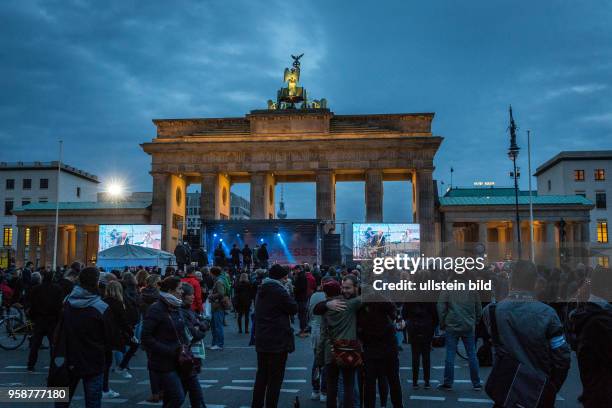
(13,329)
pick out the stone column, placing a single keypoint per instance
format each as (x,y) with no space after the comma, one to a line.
(81,244)
(425,206)
(482,233)
(49,240)
(21,244)
(262,196)
(159,206)
(584,227)
(326,195)
(33,246)
(448,232)
(374,195)
(62,245)
(215,197)
(43,242)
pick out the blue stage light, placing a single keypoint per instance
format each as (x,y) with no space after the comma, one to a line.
(215,234)
(221,240)
(278,234)
(261,239)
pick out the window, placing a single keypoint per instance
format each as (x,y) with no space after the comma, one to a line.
(43,200)
(27,237)
(8,207)
(600,174)
(549,185)
(581,193)
(44,184)
(578,175)
(27,184)
(600,199)
(602,231)
(603,261)
(78,192)
(10,184)
(7,236)
(25,201)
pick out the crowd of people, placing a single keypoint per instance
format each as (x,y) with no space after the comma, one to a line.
(95,321)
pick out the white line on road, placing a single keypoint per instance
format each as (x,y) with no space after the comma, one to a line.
(235,387)
(297,368)
(426,398)
(442,367)
(208,381)
(24,372)
(480,400)
(253,381)
(14,367)
(248,368)
(118,381)
(215,368)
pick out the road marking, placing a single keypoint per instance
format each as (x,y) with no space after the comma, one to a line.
(215,368)
(560,398)
(405,368)
(480,400)
(248,368)
(426,398)
(205,386)
(155,404)
(253,381)
(118,381)
(297,368)
(243,381)
(215,406)
(442,367)
(144,382)
(13,367)
(25,372)
(290,390)
(208,381)
(234,387)
(295,381)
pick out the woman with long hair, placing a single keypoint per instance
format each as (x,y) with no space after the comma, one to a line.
(163,337)
(113,297)
(242,301)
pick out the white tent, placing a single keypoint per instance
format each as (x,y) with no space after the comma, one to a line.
(121,256)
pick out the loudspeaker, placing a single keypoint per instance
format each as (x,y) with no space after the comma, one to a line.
(332,251)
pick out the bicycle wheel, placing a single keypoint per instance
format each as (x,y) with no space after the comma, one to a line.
(12,333)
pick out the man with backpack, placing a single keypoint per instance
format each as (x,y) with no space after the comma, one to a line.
(529,343)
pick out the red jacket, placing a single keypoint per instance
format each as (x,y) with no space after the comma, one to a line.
(312,283)
(197,295)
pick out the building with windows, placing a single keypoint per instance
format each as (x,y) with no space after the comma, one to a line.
(588,174)
(239,210)
(22,183)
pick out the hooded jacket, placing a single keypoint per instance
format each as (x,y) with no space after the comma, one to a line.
(196,306)
(88,328)
(273,308)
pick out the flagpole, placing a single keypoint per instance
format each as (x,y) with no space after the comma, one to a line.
(530,197)
(57,196)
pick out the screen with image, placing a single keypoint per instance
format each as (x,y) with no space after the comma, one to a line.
(384,240)
(148,236)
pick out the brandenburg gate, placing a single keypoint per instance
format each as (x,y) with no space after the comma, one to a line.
(293,140)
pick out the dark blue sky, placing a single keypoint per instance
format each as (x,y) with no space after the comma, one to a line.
(95,73)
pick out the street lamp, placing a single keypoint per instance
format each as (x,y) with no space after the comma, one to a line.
(513,152)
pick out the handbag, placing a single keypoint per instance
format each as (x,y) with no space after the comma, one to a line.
(184,360)
(512,383)
(347,353)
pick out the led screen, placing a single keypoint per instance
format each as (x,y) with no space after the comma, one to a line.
(148,236)
(384,240)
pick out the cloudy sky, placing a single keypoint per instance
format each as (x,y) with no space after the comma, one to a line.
(95,73)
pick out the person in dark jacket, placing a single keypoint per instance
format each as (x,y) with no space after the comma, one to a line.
(247,257)
(69,279)
(182,252)
(199,256)
(163,334)
(590,332)
(242,301)
(273,336)
(113,296)
(197,328)
(376,330)
(262,256)
(219,256)
(421,320)
(300,292)
(45,307)
(86,331)
(235,255)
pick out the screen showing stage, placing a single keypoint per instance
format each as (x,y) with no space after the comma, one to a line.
(384,240)
(148,236)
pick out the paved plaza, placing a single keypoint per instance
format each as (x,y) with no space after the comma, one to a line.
(228,376)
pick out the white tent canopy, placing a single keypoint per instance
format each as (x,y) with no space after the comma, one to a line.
(128,255)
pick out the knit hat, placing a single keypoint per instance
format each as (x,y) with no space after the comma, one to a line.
(278,272)
(331,288)
(187,289)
